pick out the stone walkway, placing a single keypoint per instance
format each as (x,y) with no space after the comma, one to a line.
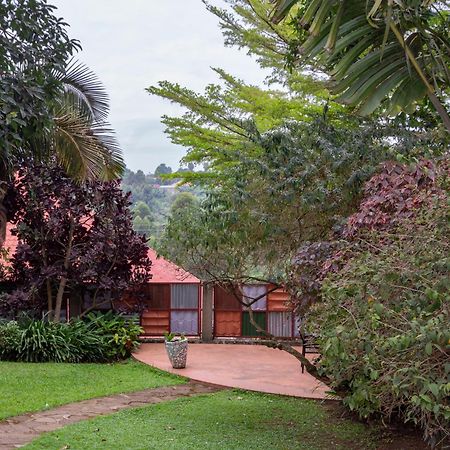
(20,430)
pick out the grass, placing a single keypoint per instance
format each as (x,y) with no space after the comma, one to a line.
(29,387)
(225,420)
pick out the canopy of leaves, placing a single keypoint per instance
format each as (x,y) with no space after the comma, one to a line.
(184,200)
(385,312)
(225,119)
(34,45)
(162,169)
(306,180)
(141,210)
(80,232)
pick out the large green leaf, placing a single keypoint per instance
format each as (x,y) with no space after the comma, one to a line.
(378,52)
(83,88)
(282,8)
(81,139)
(86,150)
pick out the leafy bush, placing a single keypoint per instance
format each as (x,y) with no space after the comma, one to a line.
(44,341)
(9,339)
(99,338)
(384,321)
(85,341)
(120,336)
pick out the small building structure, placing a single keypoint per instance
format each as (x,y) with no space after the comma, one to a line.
(172,300)
(176,301)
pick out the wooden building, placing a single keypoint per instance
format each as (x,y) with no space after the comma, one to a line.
(176,301)
(172,300)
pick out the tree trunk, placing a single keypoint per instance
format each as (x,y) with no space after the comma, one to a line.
(3,220)
(272,342)
(63,280)
(49,298)
(59,299)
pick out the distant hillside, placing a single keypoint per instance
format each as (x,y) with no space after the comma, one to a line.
(153,197)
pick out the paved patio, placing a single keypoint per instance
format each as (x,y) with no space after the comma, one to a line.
(252,367)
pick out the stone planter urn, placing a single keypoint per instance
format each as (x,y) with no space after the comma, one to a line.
(176,348)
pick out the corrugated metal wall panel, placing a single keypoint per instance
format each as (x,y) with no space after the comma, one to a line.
(297,324)
(157,296)
(280,324)
(185,322)
(277,300)
(251,292)
(247,328)
(223,300)
(155,322)
(184,296)
(227,323)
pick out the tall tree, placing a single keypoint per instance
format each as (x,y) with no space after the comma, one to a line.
(246,24)
(305,180)
(48,108)
(72,237)
(162,169)
(224,119)
(141,210)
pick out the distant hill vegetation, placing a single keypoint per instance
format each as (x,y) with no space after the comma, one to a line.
(155,196)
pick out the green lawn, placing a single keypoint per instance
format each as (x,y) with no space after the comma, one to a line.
(225,420)
(27,387)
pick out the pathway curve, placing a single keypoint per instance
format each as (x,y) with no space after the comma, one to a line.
(252,367)
(20,430)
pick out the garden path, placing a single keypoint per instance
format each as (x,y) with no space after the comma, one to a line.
(20,430)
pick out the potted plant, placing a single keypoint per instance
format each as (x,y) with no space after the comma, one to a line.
(176,347)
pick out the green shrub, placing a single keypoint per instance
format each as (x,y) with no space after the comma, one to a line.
(98,338)
(384,324)
(44,341)
(9,339)
(120,336)
(86,342)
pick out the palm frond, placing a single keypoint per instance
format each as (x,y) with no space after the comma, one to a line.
(86,150)
(84,90)
(282,8)
(378,52)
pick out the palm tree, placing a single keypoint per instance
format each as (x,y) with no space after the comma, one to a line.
(377,51)
(79,139)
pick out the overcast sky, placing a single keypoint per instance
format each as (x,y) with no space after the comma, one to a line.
(135,43)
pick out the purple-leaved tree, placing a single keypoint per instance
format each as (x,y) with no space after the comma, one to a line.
(72,237)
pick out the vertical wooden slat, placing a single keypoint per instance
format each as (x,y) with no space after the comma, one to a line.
(297,324)
(280,324)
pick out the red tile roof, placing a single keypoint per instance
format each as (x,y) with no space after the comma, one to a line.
(163,271)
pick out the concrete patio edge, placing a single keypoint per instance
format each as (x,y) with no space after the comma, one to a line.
(250,367)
